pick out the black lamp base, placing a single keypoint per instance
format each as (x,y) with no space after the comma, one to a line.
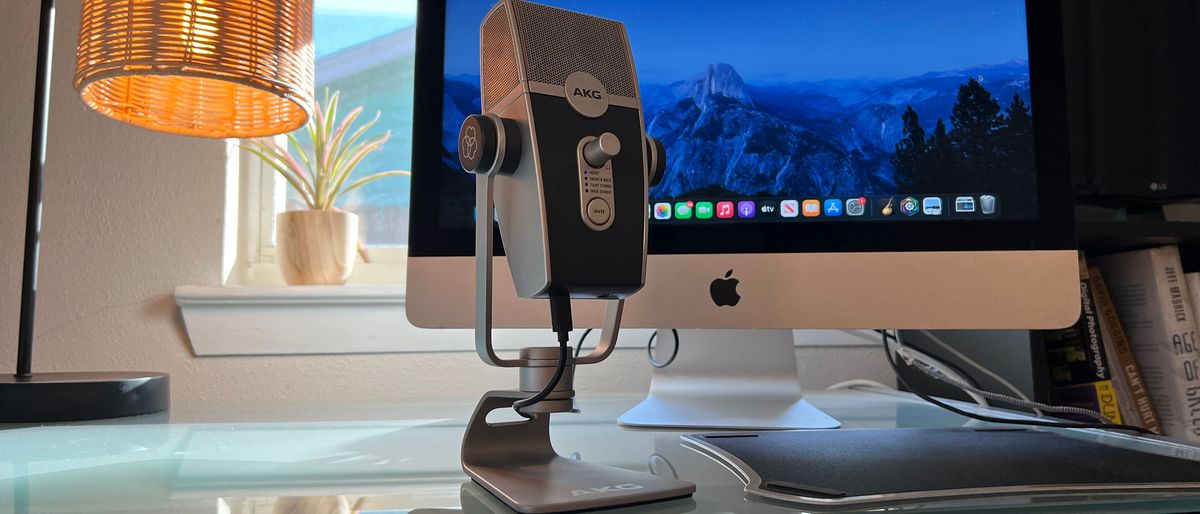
(52,397)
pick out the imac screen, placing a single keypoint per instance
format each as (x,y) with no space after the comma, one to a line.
(830,111)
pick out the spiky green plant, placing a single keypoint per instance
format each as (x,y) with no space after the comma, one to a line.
(320,173)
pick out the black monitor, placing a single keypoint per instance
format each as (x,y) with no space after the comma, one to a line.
(1132,70)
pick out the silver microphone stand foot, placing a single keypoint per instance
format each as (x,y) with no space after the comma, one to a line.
(516,462)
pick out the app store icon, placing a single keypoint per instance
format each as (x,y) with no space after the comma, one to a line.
(833,208)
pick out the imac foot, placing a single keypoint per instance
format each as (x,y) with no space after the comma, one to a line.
(748,414)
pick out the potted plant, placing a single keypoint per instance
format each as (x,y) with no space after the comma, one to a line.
(317,245)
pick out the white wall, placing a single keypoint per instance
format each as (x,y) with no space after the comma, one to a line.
(131,214)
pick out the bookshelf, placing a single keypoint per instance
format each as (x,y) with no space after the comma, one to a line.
(1100,237)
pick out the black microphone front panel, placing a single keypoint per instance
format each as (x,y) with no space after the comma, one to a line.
(583,261)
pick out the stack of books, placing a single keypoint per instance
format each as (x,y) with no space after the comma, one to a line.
(1133,355)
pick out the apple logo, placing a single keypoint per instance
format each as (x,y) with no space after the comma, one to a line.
(724,290)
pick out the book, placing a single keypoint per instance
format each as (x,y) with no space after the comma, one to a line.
(1133,399)
(1193,284)
(1153,304)
(1080,375)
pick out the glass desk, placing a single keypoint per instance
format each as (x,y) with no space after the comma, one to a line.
(315,459)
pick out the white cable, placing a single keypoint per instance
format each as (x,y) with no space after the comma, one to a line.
(935,374)
(1007,385)
(904,351)
(993,419)
(859,382)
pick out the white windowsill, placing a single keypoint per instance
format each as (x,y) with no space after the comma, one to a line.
(313,320)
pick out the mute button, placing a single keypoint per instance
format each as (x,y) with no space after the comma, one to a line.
(598,211)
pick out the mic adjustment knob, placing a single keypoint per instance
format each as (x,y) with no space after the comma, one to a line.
(599,151)
(656,160)
(477,144)
(489,144)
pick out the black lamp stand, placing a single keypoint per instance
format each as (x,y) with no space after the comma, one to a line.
(28,397)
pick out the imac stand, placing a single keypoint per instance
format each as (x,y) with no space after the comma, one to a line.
(728,379)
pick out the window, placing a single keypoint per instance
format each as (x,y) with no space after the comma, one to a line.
(365,49)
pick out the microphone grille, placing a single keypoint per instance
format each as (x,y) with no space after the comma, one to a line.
(556,43)
(498,61)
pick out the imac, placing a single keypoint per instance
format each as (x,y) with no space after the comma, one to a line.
(845,165)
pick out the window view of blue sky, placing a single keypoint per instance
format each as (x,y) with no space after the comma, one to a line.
(340,24)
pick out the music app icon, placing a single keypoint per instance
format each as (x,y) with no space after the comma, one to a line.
(724,210)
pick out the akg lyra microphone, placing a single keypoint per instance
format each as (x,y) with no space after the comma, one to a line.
(562,130)
(561,149)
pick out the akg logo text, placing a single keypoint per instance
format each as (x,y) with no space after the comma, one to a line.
(607,489)
(588,93)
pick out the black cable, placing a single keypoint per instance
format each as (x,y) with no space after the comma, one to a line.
(560,322)
(1024,403)
(520,405)
(650,353)
(579,345)
(991,419)
(957,369)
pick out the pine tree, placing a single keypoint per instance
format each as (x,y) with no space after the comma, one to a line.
(976,117)
(911,151)
(940,140)
(1019,124)
(1017,143)
(941,160)
(979,160)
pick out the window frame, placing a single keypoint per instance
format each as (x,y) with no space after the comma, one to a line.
(262,194)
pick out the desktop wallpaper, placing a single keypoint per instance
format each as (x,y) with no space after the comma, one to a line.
(808,98)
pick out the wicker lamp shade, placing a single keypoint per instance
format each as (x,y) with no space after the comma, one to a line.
(214,68)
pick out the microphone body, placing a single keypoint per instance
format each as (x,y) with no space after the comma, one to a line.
(562,133)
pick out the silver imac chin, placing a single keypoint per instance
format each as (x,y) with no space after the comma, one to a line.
(749,379)
(930,290)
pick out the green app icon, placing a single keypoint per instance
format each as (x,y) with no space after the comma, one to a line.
(683,210)
(704,210)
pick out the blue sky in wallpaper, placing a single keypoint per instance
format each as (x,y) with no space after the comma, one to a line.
(787,40)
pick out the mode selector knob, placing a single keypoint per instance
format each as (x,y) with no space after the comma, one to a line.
(599,151)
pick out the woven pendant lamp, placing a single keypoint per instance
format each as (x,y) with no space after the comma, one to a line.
(212,68)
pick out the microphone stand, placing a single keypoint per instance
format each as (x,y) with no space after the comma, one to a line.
(515,461)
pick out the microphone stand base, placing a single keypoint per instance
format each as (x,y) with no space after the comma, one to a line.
(516,463)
